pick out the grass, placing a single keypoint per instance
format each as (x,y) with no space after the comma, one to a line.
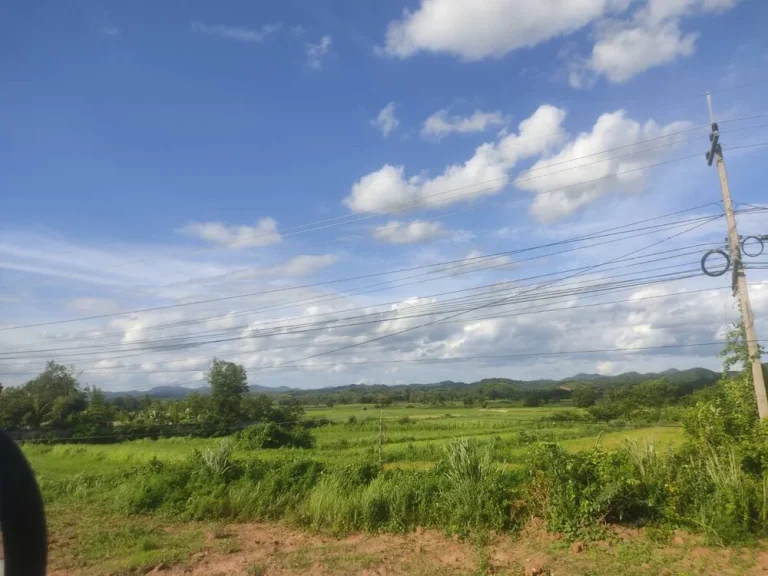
(410,444)
(97,539)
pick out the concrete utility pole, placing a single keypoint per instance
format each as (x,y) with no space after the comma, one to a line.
(739,283)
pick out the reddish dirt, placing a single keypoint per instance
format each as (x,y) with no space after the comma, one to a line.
(268,549)
(275,550)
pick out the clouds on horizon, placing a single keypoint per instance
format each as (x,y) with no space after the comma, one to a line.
(646,316)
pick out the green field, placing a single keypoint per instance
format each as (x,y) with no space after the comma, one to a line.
(91,507)
(411,437)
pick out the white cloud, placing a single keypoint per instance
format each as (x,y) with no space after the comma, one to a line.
(625,46)
(396,232)
(317,52)
(94,305)
(263,234)
(302,265)
(511,328)
(485,173)
(439,124)
(386,121)
(474,30)
(236,33)
(605,368)
(110,31)
(580,174)
(651,37)
(577,164)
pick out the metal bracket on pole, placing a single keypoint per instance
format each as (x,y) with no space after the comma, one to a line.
(714,138)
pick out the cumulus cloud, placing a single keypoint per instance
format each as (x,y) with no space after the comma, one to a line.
(302,265)
(625,45)
(263,234)
(316,53)
(651,37)
(475,30)
(485,173)
(439,125)
(236,33)
(386,121)
(574,182)
(580,173)
(396,232)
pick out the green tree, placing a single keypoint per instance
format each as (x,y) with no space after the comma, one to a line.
(728,414)
(653,393)
(15,408)
(584,397)
(55,395)
(533,399)
(229,384)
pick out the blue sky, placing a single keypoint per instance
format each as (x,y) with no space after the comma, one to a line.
(163,153)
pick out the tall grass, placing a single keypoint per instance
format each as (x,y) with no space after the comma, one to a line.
(474,495)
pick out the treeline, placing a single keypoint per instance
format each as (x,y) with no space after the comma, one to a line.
(56,404)
(529,393)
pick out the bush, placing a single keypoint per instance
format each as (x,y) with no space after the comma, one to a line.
(271,435)
(577,492)
(569,416)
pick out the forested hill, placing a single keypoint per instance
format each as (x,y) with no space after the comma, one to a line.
(690,379)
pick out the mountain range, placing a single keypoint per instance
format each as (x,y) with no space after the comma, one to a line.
(702,376)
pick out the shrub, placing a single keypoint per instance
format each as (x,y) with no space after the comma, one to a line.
(569,416)
(577,492)
(271,435)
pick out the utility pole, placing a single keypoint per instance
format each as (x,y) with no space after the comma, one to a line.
(739,282)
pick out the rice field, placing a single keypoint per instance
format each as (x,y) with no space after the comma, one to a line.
(411,436)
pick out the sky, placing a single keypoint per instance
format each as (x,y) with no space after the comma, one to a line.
(332,192)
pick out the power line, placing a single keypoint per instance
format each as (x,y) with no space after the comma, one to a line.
(745,146)
(238,296)
(416,202)
(324,299)
(136,369)
(432,322)
(366,290)
(487,357)
(174,341)
(497,356)
(526,312)
(505,177)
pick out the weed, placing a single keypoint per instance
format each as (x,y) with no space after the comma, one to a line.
(257,569)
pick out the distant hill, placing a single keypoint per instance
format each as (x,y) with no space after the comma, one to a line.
(692,378)
(176,392)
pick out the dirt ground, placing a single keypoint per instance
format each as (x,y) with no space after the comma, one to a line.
(275,550)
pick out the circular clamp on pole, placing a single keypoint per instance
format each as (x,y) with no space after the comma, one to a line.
(724,254)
